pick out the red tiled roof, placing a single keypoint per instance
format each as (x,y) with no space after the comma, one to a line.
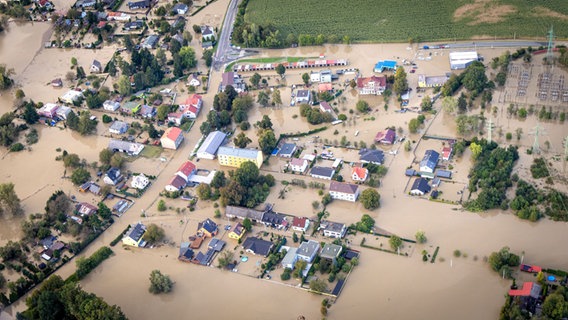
(177,182)
(187,168)
(362,82)
(325,106)
(297,162)
(325,87)
(172,133)
(193,100)
(299,222)
(525,291)
(360,172)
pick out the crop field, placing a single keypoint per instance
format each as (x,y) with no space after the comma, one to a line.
(396,20)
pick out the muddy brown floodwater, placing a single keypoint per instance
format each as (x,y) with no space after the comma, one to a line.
(382,286)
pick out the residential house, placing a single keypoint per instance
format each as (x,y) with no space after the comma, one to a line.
(446,153)
(371,156)
(432,81)
(232,79)
(420,187)
(429,162)
(243,213)
(47,242)
(343,191)
(71,96)
(274,220)
(209,147)
(85,209)
(133,25)
(186,254)
(48,110)
(180,8)
(208,36)
(96,67)
(186,170)
(258,246)
(147,111)
(287,150)
(102,15)
(101,24)
(85,3)
(112,176)
(359,174)
(140,182)
(300,224)
(118,127)
(176,183)
(177,23)
(130,148)
(143,4)
(325,75)
(234,157)
(216,245)
(298,165)
(208,228)
(333,229)
(237,232)
(385,137)
(322,172)
(193,81)
(290,258)
(331,252)
(371,85)
(446,174)
(192,106)
(176,118)
(325,107)
(130,107)
(308,250)
(118,16)
(133,236)
(150,42)
(303,96)
(62,112)
(172,138)
(325,87)
(315,76)
(110,105)
(527,297)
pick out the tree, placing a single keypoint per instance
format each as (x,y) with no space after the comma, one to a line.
(265,123)
(105,155)
(276,98)
(30,114)
(318,285)
(160,283)
(203,191)
(366,224)
(162,205)
(241,140)
(20,94)
(5,80)
(219,180)
(71,160)
(449,104)
(400,82)
(474,78)
(9,201)
(124,87)
(162,113)
(187,55)
(420,236)
(475,150)
(247,224)
(280,70)
(426,104)
(395,242)
(117,160)
(263,98)
(413,125)
(462,104)
(225,258)
(255,79)
(267,141)
(555,306)
(503,258)
(370,199)
(362,106)
(154,233)
(80,176)
(306,78)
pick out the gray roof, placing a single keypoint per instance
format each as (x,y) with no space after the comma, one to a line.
(343,187)
(330,251)
(372,156)
(125,146)
(151,40)
(119,126)
(180,6)
(332,226)
(258,246)
(216,244)
(213,141)
(242,213)
(303,93)
(136,232)
(308,248)
(273,218)
(444,174)
(290,256)
(237,152)
(287,149)
(322,171)
(97,64)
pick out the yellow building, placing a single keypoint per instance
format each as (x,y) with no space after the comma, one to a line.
(237,232)
(133,236)
(234,157)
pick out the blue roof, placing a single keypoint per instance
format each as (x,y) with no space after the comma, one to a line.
(421,184)
(430,159)
(287,149)
(385,65)
(444,174)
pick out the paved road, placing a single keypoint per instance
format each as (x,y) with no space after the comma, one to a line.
(224,43)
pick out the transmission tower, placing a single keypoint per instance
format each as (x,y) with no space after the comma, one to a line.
(565,154)
(538,131)
(550,49)
(490,126)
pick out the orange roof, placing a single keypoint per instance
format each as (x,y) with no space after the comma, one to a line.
(172,133)
(360,172)
(525,291)
(325,87)
(192,100)
(187,168)
(299,222)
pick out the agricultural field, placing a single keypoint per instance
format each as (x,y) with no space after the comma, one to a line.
(395,20)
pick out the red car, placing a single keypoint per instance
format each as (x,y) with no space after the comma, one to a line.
(530,269)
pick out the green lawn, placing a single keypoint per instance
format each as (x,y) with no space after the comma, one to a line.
(151,151)
(396,20)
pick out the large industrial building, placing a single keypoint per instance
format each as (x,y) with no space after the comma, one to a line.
(460,60)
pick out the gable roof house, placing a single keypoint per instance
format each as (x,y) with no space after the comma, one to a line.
(385,137)
(208,228)
(298,165)
(133,25)
(176,117)
(343,191)
(303,96)
(420,187)
(322,172)
(139,4)
(359,174)
(242,213)
(110,105)
(85,209)
(130,148)
(48,110)
(112,176)
(180,8)
(287,150)
(209,147)
(237,232)
(186,170)
(192,80)
(446,153)
(133,236)
(130,107)
(140,182)
(371,85)
(96,67)
(371,156)
(71,96)
(147,111)
(62,112)
(330,252)
(172,138)
(232,79)
(208,36)
(325,107)
(429,162)
(150,42)
(176,183)
(308,250)
(192,106)
(257,246)
(300,224)
(333,229)
(274,220)
(118,127)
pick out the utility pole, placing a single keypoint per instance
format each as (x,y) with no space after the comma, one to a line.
(565,158)
(490,127)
